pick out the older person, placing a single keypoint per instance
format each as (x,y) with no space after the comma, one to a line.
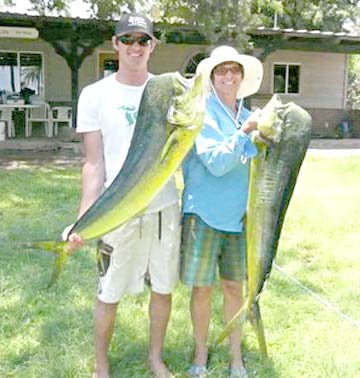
(214,199)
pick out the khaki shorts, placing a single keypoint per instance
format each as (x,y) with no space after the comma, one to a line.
(144,249)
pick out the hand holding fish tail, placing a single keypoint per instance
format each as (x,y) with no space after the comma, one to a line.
(74,240)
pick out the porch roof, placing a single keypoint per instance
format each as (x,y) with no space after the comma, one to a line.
(262,37)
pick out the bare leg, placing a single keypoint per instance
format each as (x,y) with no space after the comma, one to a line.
(159,313)
(200,308)
(104,319)
(233,300)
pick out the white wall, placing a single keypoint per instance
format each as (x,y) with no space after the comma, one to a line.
(322,77)
(322,81)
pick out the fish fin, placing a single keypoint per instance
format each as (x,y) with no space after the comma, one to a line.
(58,267)
(60,248)
(48,245)
(238,318)
(256,321)
(169,145)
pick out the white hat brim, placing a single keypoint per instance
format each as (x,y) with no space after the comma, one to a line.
(253,69)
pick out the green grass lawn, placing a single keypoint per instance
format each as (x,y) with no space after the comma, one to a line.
(48,333)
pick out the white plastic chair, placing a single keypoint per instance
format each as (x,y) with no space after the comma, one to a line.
(39,114)
(6,116)
(61,114)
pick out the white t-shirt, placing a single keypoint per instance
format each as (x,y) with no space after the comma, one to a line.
(112,107)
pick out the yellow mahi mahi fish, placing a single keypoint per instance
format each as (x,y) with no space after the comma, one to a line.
(273,175)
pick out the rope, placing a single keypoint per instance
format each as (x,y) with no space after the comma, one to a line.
(319,299)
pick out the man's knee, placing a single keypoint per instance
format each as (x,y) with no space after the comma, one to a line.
(103,307)
(161,298)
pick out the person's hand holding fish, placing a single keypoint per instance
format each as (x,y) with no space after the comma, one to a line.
(74,240)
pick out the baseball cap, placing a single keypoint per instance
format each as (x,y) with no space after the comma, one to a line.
(134,22)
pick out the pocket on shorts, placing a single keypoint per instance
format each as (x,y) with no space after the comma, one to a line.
(103,257)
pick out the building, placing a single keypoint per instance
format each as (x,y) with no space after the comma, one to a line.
(56,57)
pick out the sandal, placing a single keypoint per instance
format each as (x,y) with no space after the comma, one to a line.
(238,373)
(197,371)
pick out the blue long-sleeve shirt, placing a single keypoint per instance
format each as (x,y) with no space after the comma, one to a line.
(216,170)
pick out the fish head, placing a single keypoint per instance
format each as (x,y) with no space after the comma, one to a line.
(271,119)
(188,106)
(280,122)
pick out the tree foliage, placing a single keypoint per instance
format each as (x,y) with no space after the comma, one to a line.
(325,15)
(107,9)
(4,3)
(353,90)
(225,21)
(219,20)
(44,7)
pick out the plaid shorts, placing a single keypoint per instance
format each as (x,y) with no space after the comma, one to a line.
(203,248)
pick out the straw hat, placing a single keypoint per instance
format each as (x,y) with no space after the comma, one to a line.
(253,68)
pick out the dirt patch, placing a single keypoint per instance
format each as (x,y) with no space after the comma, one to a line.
(335,144)
(15,153)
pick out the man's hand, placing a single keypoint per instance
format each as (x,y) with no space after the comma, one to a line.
(74,240)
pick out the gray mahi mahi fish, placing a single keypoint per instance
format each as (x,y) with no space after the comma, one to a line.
(170,117)
(273,174)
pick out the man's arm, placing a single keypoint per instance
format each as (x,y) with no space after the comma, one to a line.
(93,170)
(92,180)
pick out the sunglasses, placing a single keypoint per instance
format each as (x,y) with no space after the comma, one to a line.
(129,40)
(222,70)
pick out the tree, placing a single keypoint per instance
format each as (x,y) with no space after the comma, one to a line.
(5,3)
(220,22)
(324,15)
(43,7)
(109,9)
(228,20)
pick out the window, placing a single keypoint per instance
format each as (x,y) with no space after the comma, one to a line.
(110,66)
(21,70)
(107,64)
(193,62)
(286,78)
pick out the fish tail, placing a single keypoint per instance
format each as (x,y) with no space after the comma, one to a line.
(257,323)
(60,248)
(59,265)
(237,319)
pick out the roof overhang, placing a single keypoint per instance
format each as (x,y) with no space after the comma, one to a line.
(261,37)
(313,40)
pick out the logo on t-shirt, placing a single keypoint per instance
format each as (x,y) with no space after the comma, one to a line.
(129,114)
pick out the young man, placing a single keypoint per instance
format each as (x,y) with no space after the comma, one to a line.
(145,246)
